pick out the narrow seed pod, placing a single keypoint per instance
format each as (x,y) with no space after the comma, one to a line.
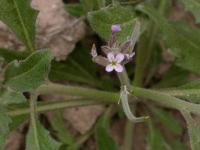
(126,108)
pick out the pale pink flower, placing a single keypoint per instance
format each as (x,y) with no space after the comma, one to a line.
(116,28)
(115,60)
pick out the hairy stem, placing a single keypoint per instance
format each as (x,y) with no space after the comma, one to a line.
(180,92)
(166,100)
(78,91)
(44,107)
(33,115)
(92,96)
(128,135)
(124,79)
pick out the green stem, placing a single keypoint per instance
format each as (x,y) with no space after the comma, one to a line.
(78,91)
(124,79)
(162,97)
(128,135)
(166,100)
(113,97)
(43,107)
(104,95)
(33,115)
(180,92)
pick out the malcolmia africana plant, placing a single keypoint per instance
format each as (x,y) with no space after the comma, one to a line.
(116,56)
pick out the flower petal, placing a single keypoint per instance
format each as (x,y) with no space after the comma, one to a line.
(118,68)
(120,57)
(109,68)
(110,56)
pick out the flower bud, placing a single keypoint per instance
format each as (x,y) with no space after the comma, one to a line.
(116,28)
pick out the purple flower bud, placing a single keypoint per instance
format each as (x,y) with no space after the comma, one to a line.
(116,28)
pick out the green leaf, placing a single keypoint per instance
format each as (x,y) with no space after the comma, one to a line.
(182,40)
(28,74)
(91,5)
(193,130)
(9,96)
(102,20)
(168,120)
(193,6)
(79,70)
(103,136)
(75,9)
(73,69)
(18,120)
(20,17)
(10,55)
(191,85)
(176,76)
(4,127)
(156,140)
(57,123)
(194,98)
(43,137)
(177,144)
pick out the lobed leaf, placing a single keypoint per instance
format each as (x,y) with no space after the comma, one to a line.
(43,137)
(73,69)
(101,21)
(20,17)
(28,74)
(9,96)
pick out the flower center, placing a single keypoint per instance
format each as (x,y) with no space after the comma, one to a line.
(114,63)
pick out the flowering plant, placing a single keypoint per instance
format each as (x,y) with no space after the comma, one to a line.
(155,59)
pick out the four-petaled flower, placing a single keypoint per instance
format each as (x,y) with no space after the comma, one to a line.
(114,62)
